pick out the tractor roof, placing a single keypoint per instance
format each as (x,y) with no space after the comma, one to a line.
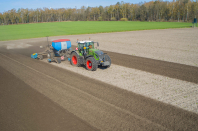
(84,41)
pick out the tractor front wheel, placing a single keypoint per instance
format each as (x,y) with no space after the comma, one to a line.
(91,64)
(75,59)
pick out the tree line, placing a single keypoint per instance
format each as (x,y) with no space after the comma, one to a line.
(177,10)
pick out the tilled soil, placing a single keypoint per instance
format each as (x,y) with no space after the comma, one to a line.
(103,106)
(24,108)
(155,78)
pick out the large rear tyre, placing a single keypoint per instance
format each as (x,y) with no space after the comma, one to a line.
(75,60)
(107,58)
(91,64)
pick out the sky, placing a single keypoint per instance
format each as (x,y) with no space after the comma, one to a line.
(6,5)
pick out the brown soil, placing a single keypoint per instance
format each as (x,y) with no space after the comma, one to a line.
(102,105)
(24,108)
(39,96)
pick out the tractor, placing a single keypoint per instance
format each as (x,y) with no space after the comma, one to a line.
(86,54)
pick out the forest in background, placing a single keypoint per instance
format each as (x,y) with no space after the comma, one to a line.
(175,11)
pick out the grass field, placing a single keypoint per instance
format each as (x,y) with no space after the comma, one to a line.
(25,31)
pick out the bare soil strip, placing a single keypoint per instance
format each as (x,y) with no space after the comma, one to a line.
(104,106)
(169,69)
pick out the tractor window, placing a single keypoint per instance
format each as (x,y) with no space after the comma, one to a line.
(80,46)
(90,44)
(87,44)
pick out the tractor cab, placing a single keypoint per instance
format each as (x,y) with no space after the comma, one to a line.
(88,44)
(86,47)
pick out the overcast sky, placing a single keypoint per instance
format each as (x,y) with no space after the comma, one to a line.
(6,5)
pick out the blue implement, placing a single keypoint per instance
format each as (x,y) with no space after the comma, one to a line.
(61,44)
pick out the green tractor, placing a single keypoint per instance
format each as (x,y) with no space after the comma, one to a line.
(86,54)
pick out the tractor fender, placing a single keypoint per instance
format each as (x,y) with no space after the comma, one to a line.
(88,56)
(75,52)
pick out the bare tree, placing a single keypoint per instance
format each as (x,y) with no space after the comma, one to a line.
(185,10)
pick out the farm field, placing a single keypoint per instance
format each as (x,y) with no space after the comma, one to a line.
(35,30)
(151,85)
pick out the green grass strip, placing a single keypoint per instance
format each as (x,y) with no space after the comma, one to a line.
(25,31)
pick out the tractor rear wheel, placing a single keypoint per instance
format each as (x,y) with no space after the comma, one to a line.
(75,60)
(91,64)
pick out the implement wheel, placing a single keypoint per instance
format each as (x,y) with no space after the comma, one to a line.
(91,64)
(75,59)
(41,57)
(50,54)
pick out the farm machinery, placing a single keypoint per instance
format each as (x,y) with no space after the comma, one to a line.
(84,54)
(59,50)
